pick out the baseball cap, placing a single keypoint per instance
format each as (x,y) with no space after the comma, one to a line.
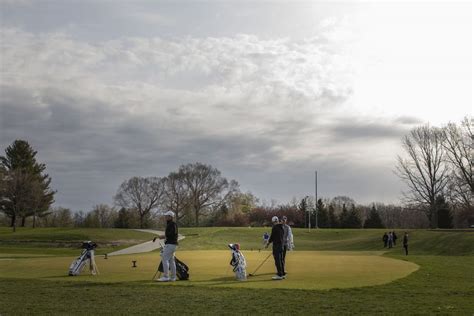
(274,219)
(169,213)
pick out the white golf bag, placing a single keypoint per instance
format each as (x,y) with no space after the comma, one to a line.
(238,262)
(86,257)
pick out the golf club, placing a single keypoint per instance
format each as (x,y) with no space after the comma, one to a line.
(158,269)
(261,264)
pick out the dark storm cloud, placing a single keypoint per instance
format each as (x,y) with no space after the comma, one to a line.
(355,129)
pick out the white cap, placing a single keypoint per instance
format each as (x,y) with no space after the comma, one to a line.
(275,219)
(169,213)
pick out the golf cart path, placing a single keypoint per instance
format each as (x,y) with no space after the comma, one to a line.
(143,247)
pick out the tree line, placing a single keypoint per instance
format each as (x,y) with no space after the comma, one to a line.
(437,166)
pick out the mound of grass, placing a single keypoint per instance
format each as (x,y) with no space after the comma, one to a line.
(307,269)
(421,241)
(65,241)
(443,284)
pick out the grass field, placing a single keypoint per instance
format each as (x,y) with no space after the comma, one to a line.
(330,272)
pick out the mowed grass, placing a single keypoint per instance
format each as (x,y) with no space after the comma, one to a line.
(444,282)
(28,242)
(309,269)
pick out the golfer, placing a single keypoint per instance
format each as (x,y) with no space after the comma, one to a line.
(287,240)
(405,243)
(171,243)
(276,237)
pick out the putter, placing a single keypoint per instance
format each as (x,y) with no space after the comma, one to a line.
(261,264)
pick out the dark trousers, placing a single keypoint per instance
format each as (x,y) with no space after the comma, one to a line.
(406,249)
(278,256)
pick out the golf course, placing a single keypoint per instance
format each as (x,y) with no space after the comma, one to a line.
(331,271)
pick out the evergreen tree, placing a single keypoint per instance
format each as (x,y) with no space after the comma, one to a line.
(24,188)
(373,220)
(343,217)
(332,218)
(445,218)
(353,219)
(323,216)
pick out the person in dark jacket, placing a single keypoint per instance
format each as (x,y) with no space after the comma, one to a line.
(276,237)
(385,240)
(405,243)
(171,244)
(394,236)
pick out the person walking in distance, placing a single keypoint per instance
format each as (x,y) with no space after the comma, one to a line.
(394,237)
(171,244)
(390,240)
(276,237)
(287,241)
(405,243)
(385,240)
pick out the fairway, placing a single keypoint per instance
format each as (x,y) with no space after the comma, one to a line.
(306,269)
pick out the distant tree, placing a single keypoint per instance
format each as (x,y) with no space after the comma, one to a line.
(141,194)
(206,187)
(176,194)
(105,215)
(124,219)
(235,211)
(323,215)
(304,209)
(24,188)
(458,143)
(332,217)
(344,217)
(445,218)
(373,220)
(58,217)
(78,219)
(339,201)
(353,218)
(423,170)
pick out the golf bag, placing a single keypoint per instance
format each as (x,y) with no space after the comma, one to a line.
(182,270)
(238,262)
(86,257)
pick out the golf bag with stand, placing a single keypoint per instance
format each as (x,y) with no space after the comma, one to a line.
(86,257)
(182,270)
(238,262)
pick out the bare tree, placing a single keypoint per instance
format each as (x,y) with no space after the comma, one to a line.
(176,195)
(206,187)
(423,170)
(141,194)
(458,143)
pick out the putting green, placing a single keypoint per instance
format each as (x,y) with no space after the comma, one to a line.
(306,269)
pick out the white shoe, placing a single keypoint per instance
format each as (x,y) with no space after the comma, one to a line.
(172,279)
(277,277)
(163,279)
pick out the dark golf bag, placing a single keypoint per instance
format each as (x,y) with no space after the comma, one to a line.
(181,269)
(86,257)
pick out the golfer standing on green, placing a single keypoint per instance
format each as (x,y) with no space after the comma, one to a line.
(288,244)
(276,238)
(171,243)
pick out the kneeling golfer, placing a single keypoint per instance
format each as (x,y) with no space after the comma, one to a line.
(276,238)
(171,243)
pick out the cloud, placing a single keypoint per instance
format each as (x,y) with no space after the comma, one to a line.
(101,112)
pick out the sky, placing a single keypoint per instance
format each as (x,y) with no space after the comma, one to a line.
(268,92)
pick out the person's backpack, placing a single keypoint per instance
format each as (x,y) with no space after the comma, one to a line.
(181,269)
